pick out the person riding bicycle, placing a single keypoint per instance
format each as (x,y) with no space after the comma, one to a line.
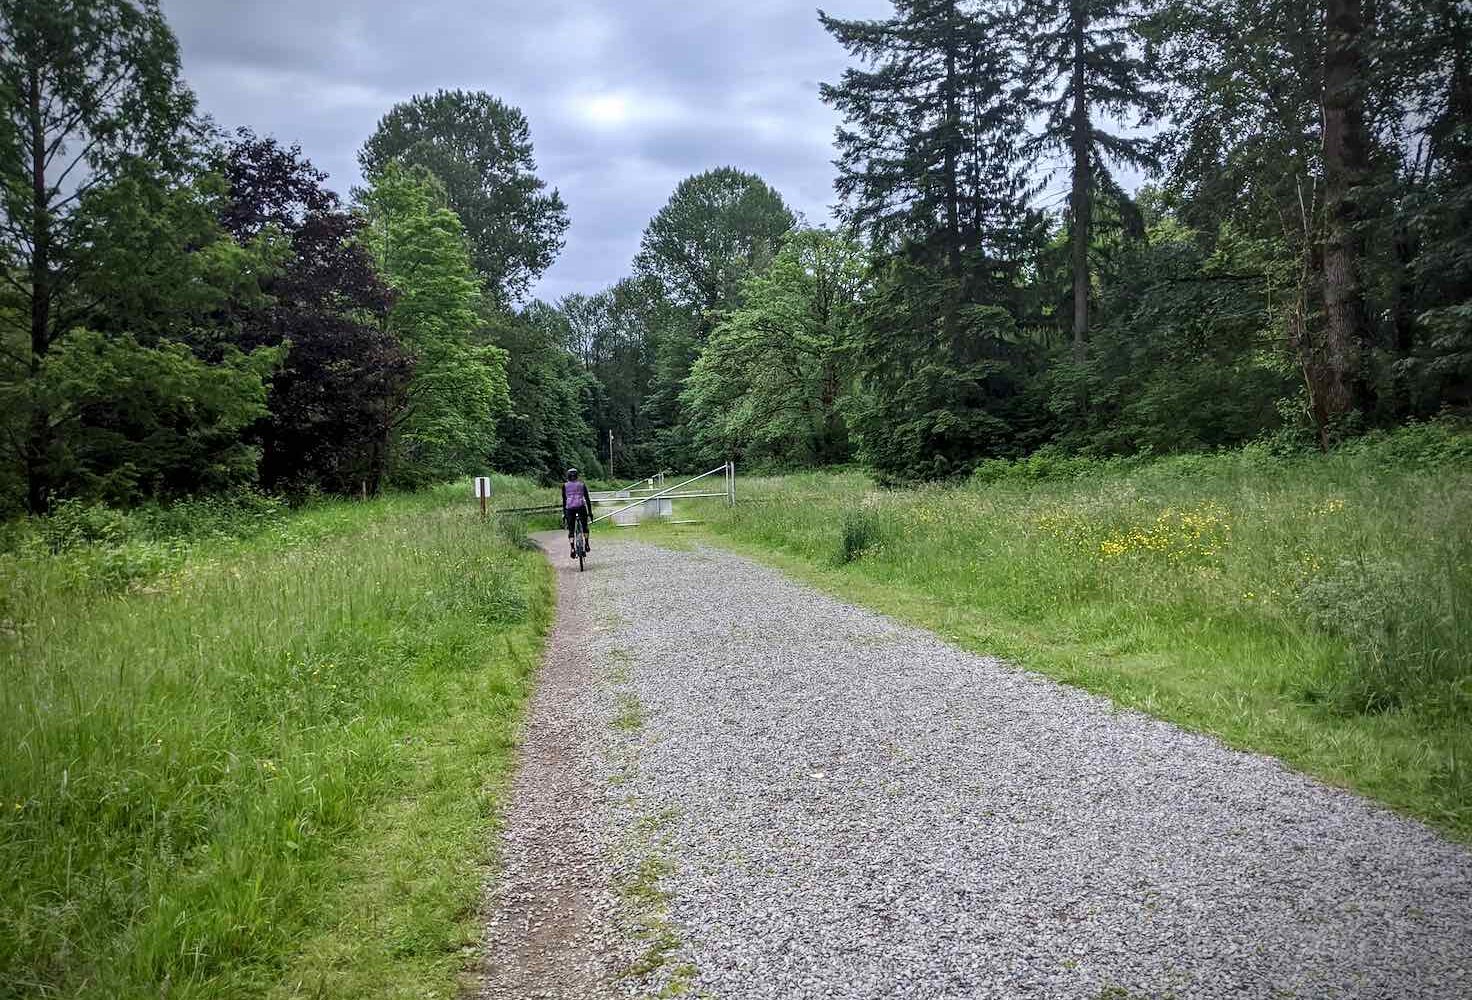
(576,505)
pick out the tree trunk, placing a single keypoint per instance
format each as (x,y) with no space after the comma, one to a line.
(1403,313)
(952,128)
(1458,97)
(1080,201)
(38,439)
(1345,171)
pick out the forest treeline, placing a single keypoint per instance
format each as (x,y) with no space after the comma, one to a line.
(1098,226)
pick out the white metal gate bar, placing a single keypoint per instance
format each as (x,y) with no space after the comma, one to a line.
(639,486)
(729,493)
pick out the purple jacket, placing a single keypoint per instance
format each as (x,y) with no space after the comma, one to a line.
(575,495)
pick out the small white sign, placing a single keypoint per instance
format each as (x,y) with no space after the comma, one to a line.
(482,487)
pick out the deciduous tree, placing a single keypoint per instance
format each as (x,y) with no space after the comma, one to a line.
(344,377)
(480,149)
(447,427)
(769,384)
(717,227)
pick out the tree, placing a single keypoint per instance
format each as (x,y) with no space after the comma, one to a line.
(1181,317)
(635,320)
(928,152)
(930,169)
(1245,155)
(769,383)
(546,430)
(160,281)
(344,377)
(717,227)
(1086,55)
(480,149)
(588,325)
(447,426)
(91,93)
(935,394)
(1346,171)
(1338,145)
(131,420)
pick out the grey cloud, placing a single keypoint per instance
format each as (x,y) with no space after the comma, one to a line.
(624,98)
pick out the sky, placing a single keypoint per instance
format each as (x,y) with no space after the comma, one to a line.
(625,97)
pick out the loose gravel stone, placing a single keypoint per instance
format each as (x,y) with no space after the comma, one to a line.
(848,807)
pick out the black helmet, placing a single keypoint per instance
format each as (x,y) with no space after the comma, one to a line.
(572,473)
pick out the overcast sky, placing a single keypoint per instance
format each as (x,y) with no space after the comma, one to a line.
(625,97)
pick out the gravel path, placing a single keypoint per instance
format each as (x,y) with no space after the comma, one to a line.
(554,927)
(804,799)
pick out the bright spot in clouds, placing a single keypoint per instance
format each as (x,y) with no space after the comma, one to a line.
(616,108)
(605,109)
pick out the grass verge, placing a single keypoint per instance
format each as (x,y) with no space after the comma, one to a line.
(1317,609)
(267,766)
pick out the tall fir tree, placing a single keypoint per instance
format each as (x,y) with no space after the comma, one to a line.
(1086,61)
(931,172)
(929,147)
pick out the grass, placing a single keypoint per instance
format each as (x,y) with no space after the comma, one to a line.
(1318,609)
(265,761)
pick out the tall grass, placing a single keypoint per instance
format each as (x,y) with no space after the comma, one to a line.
(1317,608)
(269,764)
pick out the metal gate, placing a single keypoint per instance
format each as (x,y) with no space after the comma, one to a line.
(657,500)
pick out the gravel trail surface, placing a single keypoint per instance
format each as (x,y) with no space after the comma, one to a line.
(553,927)
(804,799)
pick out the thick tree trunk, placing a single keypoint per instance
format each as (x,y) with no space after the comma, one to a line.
(38,438)
(1345,169)
(1081,199)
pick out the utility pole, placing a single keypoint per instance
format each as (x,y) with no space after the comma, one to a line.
(610,453)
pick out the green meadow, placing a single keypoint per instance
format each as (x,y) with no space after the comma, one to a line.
(252,752)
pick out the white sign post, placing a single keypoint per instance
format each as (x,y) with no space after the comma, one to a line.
(482,492)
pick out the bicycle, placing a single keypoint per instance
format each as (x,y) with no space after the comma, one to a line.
(579,539)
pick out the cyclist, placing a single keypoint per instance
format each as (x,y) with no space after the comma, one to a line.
(576,504)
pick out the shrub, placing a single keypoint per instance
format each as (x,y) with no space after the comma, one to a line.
(1431,445)
(863,531)
(1047,465)
(236,514)
(512,527)
(74,524)
(1408,646)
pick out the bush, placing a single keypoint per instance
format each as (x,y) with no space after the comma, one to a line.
(74,524)
(512,528)
(93,546)
(863,531)
(1409,646)
(237,514)
(1431,445)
